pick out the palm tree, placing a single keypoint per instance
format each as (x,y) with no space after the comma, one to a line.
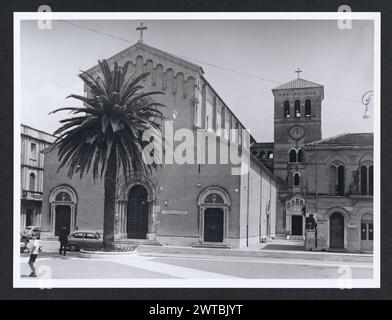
(105,134)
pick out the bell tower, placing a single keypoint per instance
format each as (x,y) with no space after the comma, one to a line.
(297,121)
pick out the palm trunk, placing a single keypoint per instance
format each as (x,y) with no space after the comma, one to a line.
(110,200)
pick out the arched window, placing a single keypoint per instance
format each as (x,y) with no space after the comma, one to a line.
(296,179)
(63,196)
(371,180)
(300,155)
(308,108)
(340,181)
(261,155)
(214,198)
(364,180)
(270,155)
(286,110)
(32,182)
(292,156)
(337,179)
(254,152)
(297,109)
(332,182)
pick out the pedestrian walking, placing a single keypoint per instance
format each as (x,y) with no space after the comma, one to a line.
(63,238)
(35,248)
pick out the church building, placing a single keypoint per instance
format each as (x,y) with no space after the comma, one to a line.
(191,204)
(298,175)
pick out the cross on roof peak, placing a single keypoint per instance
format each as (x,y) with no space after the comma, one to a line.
(141,28)
(298,71)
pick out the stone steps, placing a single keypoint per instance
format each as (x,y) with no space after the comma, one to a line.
(138,242)
(211,245)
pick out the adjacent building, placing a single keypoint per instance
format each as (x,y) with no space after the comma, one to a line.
(331,179)
(33,142)
(339,180)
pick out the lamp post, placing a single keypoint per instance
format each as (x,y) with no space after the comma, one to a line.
(366,98)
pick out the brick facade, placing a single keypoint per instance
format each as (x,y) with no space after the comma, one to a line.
(179,196)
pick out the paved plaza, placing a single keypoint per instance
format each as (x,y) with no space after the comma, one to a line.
(201,264)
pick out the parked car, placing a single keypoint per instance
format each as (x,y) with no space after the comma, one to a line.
(31,231)
(84,239)
(24,241)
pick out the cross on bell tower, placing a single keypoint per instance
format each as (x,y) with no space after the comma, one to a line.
(298,71)
(141,28)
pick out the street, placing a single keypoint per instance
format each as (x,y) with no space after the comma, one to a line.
(180,266)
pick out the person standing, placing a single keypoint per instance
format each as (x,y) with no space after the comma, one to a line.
(35,246)
(63,238)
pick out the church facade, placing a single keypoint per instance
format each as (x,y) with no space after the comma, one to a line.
(188,203)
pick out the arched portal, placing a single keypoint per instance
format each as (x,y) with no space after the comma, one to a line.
(63,207)
(137,212)
(214,205)
(336,231)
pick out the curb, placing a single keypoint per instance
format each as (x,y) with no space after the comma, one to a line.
(278,254)
(105,255)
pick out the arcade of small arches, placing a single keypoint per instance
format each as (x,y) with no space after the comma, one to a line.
(163,76)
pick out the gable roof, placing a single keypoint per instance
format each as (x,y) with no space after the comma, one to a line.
(346,139)
(141,46)
(298,84)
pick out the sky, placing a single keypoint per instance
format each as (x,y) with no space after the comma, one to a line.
(341,60)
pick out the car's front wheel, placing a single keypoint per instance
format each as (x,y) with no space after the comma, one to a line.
(73,247)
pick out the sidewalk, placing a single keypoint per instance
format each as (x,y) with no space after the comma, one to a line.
(276,249)
(259,251)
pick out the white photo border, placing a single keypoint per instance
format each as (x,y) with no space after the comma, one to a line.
(18,282)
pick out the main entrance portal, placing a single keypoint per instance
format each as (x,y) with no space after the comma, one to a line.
(137,213)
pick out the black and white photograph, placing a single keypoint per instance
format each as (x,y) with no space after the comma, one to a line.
(196,150)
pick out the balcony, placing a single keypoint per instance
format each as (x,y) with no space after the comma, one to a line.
(31,195)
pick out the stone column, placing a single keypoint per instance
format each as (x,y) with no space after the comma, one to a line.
(151,233)
(201,224)
(226,224)
(120,223)
(73,221)
(288,223)
(52,218)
